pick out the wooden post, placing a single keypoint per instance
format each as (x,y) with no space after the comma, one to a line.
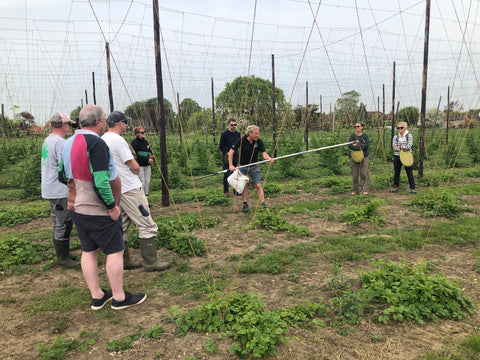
(160,120)
(205,126)
(180,125)
(86,97)
(435,119)
(274,120)
(94,96)
(393,107)
(213,115)
(448,112)
(109,76)
(421,144)
(305,135)
(321,112)
(3,119)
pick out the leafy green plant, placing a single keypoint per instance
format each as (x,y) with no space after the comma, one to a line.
(246,319)
(17,251)
(274,221)
(11,215)
(410,293)
(436,202)
(63,345)
(367,212)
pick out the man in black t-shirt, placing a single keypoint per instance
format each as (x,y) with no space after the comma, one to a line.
(227,139)
(249,146)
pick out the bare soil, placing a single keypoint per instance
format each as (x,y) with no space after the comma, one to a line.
(23,332)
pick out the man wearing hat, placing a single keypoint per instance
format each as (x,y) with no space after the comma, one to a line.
(55,191)
(133,203)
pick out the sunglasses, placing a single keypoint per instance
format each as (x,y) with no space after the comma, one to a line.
(400,127)
(141,132)
(358,126)
(233,124)
(124,121)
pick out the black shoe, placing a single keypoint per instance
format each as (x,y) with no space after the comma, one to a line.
(97,304)
(245,208)
(394,189)
(130,300)
(413,191)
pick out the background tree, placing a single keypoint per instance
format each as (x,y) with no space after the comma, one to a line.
(138,110)
(257,107)
(410,115)
(186,108)
(74,113)
(348,109)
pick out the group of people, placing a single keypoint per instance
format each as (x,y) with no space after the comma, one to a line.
(358,153)
(92,181)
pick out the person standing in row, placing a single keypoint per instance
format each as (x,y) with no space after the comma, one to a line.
(403,141)
(55,191)
(94,190)
(248,147)
(227,139)
(144,157)
(358,153)
(133,203)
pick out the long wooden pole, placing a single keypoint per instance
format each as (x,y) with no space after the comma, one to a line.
(160,120)
(93,83)
(306,116)
(448,112)
(213,114)
(274,120)
(109,76)
(393,105)
(421,144)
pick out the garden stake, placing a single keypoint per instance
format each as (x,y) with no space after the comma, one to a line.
(277,158)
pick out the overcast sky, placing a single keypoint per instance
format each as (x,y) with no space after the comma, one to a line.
(49,49)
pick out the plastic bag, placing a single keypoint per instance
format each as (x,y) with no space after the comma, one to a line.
(238,181)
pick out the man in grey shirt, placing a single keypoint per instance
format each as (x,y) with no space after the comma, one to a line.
(55,191)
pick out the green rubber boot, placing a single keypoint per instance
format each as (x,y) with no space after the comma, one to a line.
(149,254)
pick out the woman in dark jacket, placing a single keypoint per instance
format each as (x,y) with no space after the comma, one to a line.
(144,157)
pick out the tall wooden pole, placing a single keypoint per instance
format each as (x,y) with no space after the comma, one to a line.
(86,97)
(306,117)
(421,144)
(274,120)
(159,123)
(3,119)
(448,112)
(213,114)
(321,112)
(179,119)
(393,106)
(93,83)
(109,76)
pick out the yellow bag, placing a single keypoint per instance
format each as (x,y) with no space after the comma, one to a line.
(357,155)
(406,158)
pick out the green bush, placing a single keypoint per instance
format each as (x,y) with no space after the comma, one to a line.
(436,202)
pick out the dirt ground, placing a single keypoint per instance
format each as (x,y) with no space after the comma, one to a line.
(23,332)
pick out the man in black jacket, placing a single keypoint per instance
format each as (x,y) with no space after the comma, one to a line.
(144,157)
(227,139)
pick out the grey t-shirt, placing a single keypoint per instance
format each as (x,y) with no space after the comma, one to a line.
(51,153)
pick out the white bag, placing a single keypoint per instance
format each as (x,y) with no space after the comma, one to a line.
(238,181)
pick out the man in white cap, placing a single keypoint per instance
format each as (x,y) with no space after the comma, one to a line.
(55,191)
(133,203)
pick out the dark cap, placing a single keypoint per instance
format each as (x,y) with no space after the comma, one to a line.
(116,117)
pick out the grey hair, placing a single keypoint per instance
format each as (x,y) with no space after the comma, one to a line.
(89,114)
(251,128)
(56,121)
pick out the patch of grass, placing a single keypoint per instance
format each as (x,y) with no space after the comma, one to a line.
(191,285)
(16,251)
(65,299)
(126,343)
(274,221)
(367,212)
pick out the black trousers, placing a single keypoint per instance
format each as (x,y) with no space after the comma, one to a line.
(397,166)
(228,172)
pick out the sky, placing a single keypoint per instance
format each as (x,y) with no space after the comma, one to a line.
(50,48)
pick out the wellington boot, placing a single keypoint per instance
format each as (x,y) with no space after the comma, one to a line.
(129,264)
(62,248)
(149,254)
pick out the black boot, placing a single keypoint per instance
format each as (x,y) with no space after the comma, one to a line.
(62,248)
(129,264)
